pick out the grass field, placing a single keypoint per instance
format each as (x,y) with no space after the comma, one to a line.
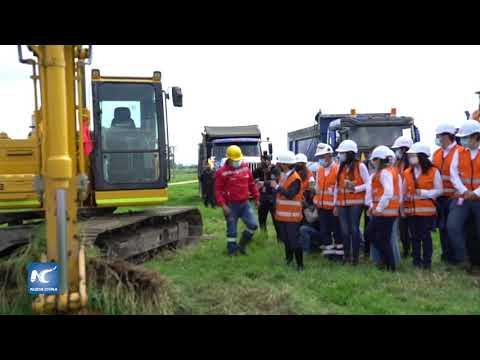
(203,280)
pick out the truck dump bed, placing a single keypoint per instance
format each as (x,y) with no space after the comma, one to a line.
(221,132)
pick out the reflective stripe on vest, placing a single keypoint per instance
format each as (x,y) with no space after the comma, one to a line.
(348,197)
(443,165)
(289,210)
(416,204)
(420,210)
(289,214)
(289,202)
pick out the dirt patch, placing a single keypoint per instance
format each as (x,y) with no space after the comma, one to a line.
(102,273)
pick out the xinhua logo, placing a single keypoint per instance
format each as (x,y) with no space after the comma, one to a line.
(43,278)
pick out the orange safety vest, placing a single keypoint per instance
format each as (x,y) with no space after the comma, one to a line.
(443,164)
(468,169)
(393,207)
(348,197)
(419,205)
(289,210)
(324,187)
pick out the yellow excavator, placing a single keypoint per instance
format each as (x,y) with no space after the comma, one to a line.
(74,178)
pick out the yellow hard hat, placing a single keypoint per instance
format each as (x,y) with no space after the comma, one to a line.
(234,153)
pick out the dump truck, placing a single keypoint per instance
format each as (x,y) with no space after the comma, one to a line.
(216,140)
(367,130)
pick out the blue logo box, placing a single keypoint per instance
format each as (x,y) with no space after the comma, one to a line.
(43,278)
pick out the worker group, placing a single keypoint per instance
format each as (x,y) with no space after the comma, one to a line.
(404,191)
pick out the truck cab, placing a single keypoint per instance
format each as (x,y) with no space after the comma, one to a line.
(251,149)
(367,130)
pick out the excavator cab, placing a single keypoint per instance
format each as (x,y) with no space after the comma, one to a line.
(130,165)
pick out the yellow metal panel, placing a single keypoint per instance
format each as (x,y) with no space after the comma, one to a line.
(131,197)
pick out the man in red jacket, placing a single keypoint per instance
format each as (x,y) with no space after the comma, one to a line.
(234,184)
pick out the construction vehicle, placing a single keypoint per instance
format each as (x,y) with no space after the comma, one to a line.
(367,130)
(54,174)
(216,140)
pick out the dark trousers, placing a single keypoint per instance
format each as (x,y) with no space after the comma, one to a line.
(405,236)
(459,225)
(443,209)
(349,217)
(422,248)
(267,206)
(378,232)
(289,234)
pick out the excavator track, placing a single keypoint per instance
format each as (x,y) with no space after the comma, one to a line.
(136,236)
(133,236)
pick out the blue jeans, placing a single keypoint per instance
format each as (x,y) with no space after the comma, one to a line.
(394,240)
(245,212)
(349,217)
(443,209)
(456,226)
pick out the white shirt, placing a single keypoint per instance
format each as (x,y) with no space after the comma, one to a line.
(359,188)
(455,177)
(446,151)
(428,193)
(287,174)
(386,179)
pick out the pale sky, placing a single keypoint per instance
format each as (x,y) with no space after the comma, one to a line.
(280,88)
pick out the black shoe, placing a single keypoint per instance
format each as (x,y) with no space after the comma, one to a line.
(355,262)
(427,266)
(300,268)
(242,251)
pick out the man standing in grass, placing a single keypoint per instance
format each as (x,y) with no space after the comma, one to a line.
(234,184)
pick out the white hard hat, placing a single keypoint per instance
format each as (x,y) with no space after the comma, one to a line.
(402,141)
(323,149)
(391,153)
(380,152)
(445,128)
(419,148)
(347,145)
(301,158)
(287,157)
(469,127)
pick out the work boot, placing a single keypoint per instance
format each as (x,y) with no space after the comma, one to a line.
(427,266)
(244,241)
(232,248)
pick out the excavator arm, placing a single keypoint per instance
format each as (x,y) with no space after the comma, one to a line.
(59,112)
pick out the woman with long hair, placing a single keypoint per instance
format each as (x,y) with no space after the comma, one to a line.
(349,198)
(422,185)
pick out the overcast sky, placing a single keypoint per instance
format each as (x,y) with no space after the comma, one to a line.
(280,88)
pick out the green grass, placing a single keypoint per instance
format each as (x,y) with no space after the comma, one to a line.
(202,279)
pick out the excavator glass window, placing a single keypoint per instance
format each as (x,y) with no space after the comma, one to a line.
(128,115)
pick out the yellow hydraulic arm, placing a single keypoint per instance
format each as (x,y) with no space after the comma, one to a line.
(58,123)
